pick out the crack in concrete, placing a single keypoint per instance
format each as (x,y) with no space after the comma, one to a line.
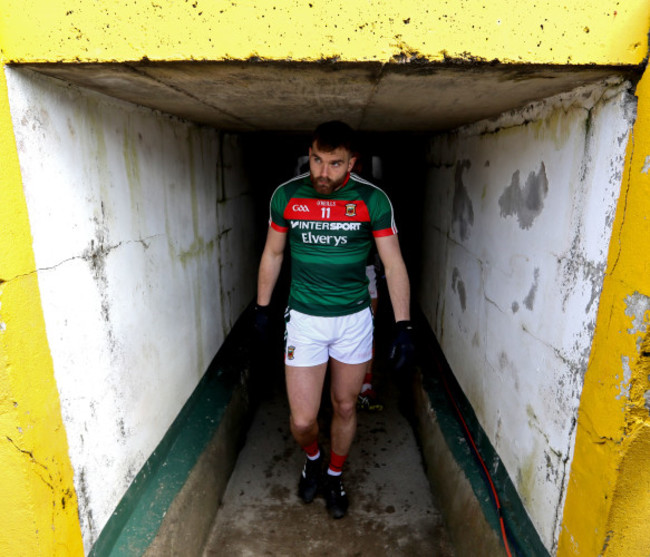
(573,366)
(557,524)
(100,250)
(625,197)
(30,454)
(491,126)
(490,301)
(143,72)
(377,78)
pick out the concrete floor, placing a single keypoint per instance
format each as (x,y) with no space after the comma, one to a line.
(392,511)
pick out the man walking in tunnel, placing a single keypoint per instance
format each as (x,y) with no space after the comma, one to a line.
(330,217)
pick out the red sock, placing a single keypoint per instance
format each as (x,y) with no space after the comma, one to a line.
(312,450)
(336,464)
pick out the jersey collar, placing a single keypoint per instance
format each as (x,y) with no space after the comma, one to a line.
(347,179)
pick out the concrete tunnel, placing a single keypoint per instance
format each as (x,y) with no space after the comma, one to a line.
(147,187)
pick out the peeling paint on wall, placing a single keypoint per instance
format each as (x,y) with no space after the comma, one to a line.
(624,386)
(646,165)
(637,306)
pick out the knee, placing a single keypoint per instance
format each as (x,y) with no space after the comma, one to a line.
(302,424)
(345,409)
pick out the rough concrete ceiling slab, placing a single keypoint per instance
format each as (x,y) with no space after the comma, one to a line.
(256,96)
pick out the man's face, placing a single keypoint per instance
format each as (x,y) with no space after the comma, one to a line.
(328,169)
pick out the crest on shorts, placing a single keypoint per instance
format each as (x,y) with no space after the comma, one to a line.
(290,351)
(350,209)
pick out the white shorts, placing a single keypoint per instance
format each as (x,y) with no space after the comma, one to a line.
(371,273)
(311,340)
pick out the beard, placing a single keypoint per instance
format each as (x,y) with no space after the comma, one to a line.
(326,185)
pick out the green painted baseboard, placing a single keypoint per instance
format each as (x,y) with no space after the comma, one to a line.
(523,538)
(137,518)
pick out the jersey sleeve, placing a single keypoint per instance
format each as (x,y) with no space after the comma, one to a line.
(382,216)
(278,205)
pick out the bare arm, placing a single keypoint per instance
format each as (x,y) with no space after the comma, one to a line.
(270,265)
(396,276)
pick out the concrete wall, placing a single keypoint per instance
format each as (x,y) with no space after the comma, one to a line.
(519,215)
(144,263)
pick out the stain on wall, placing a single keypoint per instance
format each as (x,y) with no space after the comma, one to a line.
(527,202)
(529,300)
(462,210)
(458,286)
(537,241)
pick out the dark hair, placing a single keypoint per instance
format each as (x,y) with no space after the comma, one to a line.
(332,135)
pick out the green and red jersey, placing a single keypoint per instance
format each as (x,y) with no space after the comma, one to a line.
(330,237)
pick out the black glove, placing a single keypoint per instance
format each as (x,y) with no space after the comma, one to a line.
(402,350)
(261,322)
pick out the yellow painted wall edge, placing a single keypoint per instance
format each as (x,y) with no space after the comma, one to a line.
(605,32)
(38,503)
(607,507)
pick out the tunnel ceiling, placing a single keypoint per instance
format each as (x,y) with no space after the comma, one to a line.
(255,96)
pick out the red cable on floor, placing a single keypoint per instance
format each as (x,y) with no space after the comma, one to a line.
(478,455)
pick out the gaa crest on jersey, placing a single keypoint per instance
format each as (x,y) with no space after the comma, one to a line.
(290,352)
(350,209)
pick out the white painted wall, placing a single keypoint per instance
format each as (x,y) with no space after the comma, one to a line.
(143,241)
(518,219)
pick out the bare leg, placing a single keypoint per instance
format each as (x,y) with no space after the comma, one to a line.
(346,383)
(304,390)
(374,302)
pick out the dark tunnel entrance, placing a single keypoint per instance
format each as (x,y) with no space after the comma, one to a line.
(386,474)
(274,157)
